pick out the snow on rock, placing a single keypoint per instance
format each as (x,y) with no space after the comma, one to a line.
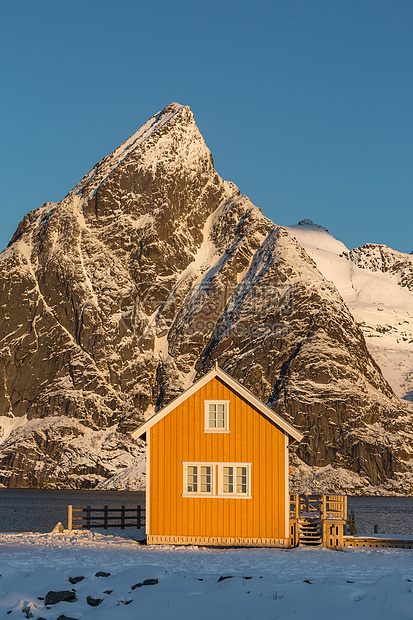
(132,478)
(10,424)
(84,455)
(329,479)
(309,225)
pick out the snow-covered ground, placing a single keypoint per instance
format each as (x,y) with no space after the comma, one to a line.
(194,582)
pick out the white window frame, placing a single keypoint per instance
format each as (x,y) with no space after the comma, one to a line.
(197,464)
(214,429)
(221,493)
(217,481)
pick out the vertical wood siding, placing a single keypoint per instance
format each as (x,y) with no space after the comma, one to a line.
(180,437)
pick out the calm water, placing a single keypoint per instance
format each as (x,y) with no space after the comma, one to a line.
(38,511)
(393,515)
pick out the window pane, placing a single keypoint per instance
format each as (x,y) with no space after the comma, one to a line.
(192,479)
(205,479)
(241,480)
(217,415)
(228,479)
(212,415)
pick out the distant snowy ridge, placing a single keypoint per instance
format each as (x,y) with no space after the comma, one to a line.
(376,283)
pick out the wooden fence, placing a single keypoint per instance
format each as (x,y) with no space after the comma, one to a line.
(105,518)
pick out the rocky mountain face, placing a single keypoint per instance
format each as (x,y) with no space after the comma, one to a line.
(115,299)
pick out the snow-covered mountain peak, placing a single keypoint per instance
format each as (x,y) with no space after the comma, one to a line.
(314,237)
(189,142)
(309,224)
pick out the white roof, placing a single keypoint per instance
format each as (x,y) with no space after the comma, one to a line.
(236,387)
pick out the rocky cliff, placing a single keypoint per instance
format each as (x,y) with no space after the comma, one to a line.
(115,299)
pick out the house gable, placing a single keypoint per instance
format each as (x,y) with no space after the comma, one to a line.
(234,386)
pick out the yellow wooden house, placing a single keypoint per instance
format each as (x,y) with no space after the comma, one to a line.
(217,468)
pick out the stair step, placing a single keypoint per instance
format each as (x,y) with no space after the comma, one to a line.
(310,532)
(310,528)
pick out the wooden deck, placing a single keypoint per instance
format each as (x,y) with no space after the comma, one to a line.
(380,542)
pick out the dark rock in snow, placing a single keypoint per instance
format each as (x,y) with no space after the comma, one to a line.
(74,580)
(26,610)
(102,574)
(53,597)
(150,582)
(93,602)
(137,585)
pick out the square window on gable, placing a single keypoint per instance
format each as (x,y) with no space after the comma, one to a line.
(216,416)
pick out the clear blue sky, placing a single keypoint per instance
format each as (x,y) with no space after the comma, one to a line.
(307,105)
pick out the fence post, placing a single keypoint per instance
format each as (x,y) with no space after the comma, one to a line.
(105,517)
(88,517)
(122,517)
(138,517)
(70,517)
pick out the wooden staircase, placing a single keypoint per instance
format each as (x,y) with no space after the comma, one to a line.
(318,520)
(310,532)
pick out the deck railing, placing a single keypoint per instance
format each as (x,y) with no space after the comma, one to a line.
(105,518)
(323,506)
(334,507)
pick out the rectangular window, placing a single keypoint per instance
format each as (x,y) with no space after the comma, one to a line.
(192,479)
(242,484)
(198,479)
(206,478)
(234,479)
(227,479)
(216,416)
